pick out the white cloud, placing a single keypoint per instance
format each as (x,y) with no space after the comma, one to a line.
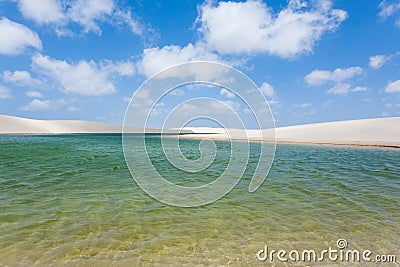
(48,11)
(83,78)
(177,92)
(123,68)
(34,94)
(340,89)
(124,17)
(247,27)
(143,94)
(73,109)
(126,99)
(37,105)
(15,38)
(393,87)
(267,89)
(159,109)
(251,26)
(233,105)
(359,89)
(389,9)
(319,77)
(20,78)
(378,61)
(344,89)
(86,13)
(4,92)
(227,93)
(303,105)
(336,77)
(274,102)
(157,59)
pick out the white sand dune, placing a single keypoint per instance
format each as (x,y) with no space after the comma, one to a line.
(367,130)
(15,125)
(374,132)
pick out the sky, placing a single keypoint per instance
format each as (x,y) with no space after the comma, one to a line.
(314,61)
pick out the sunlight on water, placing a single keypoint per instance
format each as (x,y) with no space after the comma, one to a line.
(70,199)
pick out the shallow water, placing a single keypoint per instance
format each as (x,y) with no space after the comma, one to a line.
(70,199)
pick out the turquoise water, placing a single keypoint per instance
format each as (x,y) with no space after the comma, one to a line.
(70,200)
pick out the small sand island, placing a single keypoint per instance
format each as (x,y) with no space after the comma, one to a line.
(383,132)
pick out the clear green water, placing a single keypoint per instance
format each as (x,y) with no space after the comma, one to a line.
(70,200)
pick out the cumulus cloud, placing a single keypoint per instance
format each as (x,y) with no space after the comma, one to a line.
(389,8)
(34,94)
(252,27)
(338,78)
(376,62)
(124,17)
(359,89)
(227,93)
(177,92)
(123,68)
(83,78)
(86,13)
(340,89)
(393,87)
(232,29)
(20,78)
(235,29)
(48,11)
(73,109)
(344,89)
(4,92)
(319,77)
(267,89)
(15,38)
(126,99)
(157,59)
(38,105)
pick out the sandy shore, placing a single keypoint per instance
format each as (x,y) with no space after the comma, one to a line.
(383,132)
(368,132)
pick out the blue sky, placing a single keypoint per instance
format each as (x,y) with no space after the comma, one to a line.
(315,60)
